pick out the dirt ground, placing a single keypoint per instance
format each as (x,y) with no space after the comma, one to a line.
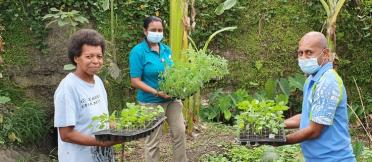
(209,138)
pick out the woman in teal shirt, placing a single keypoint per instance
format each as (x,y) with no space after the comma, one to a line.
(146,61)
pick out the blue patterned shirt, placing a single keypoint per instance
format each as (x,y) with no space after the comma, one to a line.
(325,102)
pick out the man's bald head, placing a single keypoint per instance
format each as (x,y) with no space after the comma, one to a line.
(313,45)
(316,38)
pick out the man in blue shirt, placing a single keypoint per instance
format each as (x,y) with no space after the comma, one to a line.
(323,123)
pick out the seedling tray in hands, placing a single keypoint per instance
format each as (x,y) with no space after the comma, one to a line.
(266,137)
(128,135)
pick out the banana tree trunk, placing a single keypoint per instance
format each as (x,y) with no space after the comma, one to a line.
(331,37)
(332,8)
(179,42)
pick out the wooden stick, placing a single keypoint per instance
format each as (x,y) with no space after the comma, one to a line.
(368,134)
(361,101)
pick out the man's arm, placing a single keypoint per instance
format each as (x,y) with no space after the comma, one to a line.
(293,122)
(68,134)
(312,131)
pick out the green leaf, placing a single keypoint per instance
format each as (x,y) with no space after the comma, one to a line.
(229,4)
(82,19)
(284,86)
(220,9)
(282,98)
(224,6)
(47,16)
(215,33)
(54,9)
(258,65)
(62,22)
(270,88)
(73,12)
(105,4)
(295,83)
(358,148)
(253,84)
(69,67)
(227,114)
(4,99)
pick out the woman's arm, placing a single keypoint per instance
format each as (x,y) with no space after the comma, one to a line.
(68,134)
(137,83)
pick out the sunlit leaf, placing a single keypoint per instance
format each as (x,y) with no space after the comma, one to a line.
(69,67)
(4,99)
(105,4)
(229,4)
(220,9)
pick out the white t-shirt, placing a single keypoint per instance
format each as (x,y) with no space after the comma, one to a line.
(76,102)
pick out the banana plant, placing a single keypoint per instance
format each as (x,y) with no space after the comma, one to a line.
(332,8)
(178,42)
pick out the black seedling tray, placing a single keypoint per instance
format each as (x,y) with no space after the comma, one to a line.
(111,135)
(266,137)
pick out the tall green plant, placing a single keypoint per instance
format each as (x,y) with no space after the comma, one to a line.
(332,8)
(178,34)
(70,18)
(178,42)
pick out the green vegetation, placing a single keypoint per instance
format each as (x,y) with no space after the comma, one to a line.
(257,154)
(18,41)
(22,120)
(186,78)
(260,54)
(71,18)
(22,125)
(130,118)
(222,106)
(258,115)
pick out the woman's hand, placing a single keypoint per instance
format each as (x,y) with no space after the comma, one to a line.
(68,134)
(109,143)
(163,95)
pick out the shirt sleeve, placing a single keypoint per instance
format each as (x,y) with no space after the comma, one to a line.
(135,64)
(65,108)
(325,102)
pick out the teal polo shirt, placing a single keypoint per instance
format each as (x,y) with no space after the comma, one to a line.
(325,102)
(147,64)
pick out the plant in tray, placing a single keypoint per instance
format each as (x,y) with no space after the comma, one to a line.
(186,78)
(258,115)
(134,117)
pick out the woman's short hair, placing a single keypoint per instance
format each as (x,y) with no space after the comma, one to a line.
(151,19)
(84,37)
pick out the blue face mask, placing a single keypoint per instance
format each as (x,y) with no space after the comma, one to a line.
(309,66)
(154,37)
